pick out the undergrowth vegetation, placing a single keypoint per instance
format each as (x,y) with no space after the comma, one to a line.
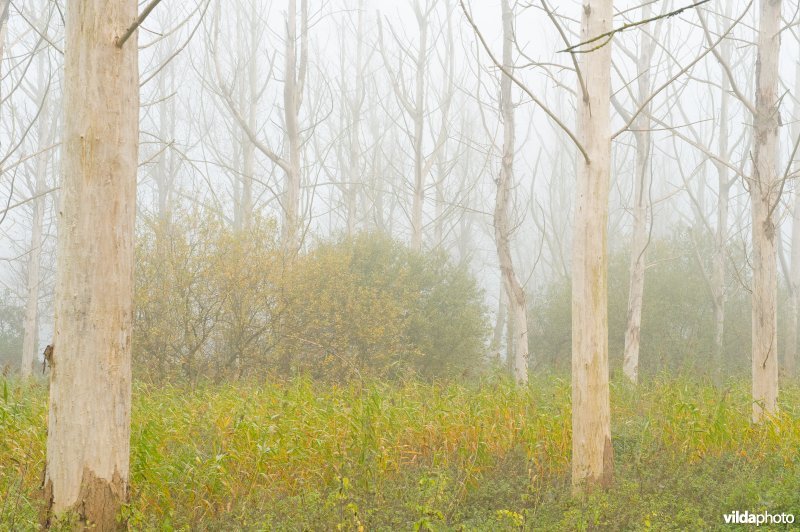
(412,455)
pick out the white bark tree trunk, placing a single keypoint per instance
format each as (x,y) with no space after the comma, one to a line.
(790,358)
(718,272)
(764,197)
(518,314)
(30,338)
(88,436)
(500,321)
(248,94)
(641,206)
(418,200)
(165,168)
(592,454)
(292,100)
(354,107)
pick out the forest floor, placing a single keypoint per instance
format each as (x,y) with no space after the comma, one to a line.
(411,456)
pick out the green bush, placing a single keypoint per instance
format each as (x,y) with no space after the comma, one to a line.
(371,306)
(206,299)
(213,302)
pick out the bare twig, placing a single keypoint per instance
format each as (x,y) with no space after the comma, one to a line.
(135,26)
(609,34)
(522,86)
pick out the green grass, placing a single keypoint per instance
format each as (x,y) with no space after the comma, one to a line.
(410,456)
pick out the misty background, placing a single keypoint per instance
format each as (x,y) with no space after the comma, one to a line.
(213,76)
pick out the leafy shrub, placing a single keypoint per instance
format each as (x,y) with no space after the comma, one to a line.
(206,298)
(371,306)
(213,302)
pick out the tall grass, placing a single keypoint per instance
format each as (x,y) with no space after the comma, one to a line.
(482,456)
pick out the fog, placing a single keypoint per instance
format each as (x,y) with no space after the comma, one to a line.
(214,139)
(424,264)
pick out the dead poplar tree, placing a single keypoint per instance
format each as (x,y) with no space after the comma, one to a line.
(518,313)
(88,433)
(790,356)
(46,136)
(592,454)
(641,204)
(764,189)
(293,85)
(294,80)
(413,101)
(724,182)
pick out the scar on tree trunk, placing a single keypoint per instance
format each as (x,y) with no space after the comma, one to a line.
(48,358)
(98,504)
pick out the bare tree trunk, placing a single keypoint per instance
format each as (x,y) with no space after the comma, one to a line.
(355,109)
(419,123)
(88,434)
(500,322)
(250,102)
(518,314)
(764,197)
(292,99)
(592,454)
(165,177)
(641,207)
(30,338)
(718,272)
(790,359)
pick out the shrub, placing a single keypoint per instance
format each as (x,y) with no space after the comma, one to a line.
(205,298)
(369,305)
(213,302)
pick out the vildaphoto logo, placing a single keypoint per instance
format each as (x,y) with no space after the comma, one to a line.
(764,518)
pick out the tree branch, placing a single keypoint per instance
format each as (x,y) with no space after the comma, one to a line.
(522,86)
(135,26)
(609,34)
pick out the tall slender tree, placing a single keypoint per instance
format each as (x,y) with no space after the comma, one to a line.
(641,204)
(46,133)
(592,454)
(790,356)
(88,435)
(518,314)
(764,197)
